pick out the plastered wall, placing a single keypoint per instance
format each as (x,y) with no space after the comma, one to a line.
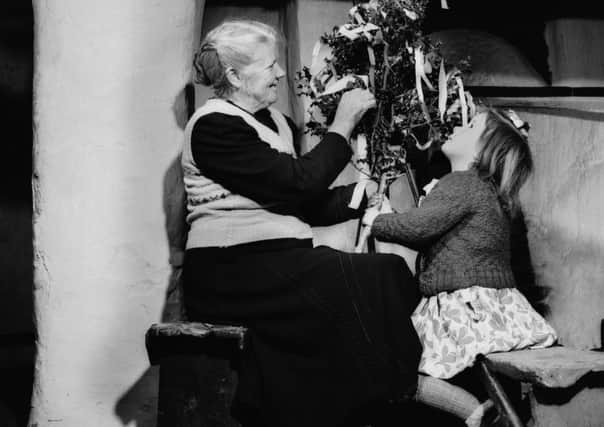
(108,78)
(563,207)
(564,204)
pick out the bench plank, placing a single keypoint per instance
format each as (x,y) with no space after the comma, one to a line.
(165,339)
(553,367)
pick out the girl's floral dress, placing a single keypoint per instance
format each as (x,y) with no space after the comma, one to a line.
(455,327)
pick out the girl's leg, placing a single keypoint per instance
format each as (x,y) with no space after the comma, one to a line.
(452,399)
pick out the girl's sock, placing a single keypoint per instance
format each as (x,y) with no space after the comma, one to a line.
(475,417)
(451,398)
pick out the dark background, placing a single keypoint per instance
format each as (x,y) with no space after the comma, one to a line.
(16,253)
(519,22)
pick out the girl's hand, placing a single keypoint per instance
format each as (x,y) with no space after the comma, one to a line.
(370,215)
(375,199)
(373,210)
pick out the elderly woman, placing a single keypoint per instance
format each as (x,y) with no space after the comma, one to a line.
(329,332)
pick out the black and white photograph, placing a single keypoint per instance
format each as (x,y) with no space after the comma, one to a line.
(302,213)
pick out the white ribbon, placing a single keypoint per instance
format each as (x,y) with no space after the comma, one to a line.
(419,69)
(410,14)
(471,104)
(420,74)
(427,188)
(315,54)
(442,90)
(462,101)
(341,84)
(352,32)
(363,166)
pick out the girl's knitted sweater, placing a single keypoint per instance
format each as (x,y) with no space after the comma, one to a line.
(461,231)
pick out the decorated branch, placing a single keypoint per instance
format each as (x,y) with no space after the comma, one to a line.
(420,98)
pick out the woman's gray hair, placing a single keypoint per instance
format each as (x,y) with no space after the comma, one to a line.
(230,45)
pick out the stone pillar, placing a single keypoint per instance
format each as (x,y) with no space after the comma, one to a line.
(108,113)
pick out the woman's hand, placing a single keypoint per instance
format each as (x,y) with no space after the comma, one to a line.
(353,105)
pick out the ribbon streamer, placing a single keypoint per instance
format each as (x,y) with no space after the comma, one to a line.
(371,56)
(419,76)
(321,68)
(363,166)
(419,61)
(352,32)
(442,90)
(359,18)
(471,103)
(462,101)
(341,84)
(410,14)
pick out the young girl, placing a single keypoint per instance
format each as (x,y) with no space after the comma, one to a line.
(469,304)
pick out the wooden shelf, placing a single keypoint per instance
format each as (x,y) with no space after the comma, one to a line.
(536,92)
(564,100)
(563,105)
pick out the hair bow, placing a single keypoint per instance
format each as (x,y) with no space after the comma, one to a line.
(522,126)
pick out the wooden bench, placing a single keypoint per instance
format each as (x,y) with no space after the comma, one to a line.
(198,372)
(548,368)
(184,350)
(191,338)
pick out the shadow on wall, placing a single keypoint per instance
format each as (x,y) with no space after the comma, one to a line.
(522,267)
(573,265)
(139,403)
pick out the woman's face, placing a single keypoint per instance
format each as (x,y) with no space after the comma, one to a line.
(260,79)
(464,141)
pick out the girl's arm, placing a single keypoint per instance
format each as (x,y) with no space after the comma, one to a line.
(444,207)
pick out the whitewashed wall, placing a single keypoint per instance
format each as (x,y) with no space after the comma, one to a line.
(107,81)
(563,206)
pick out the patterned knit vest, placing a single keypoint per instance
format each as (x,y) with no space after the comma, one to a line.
(219,217)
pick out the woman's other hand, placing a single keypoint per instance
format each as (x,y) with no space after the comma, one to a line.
(351,108)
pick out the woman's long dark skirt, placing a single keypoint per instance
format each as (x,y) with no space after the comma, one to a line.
(330,332)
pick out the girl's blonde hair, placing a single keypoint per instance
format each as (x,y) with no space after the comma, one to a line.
(230,45)
(504,158)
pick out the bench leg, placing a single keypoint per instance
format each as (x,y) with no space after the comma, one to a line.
(508,415)
(195,391)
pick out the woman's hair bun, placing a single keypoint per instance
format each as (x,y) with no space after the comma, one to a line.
(207,65)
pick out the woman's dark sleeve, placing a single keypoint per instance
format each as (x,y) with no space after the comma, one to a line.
(230,152)
(331,207)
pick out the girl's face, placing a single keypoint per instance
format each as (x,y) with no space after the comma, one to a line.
(464,141)
(260,79)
